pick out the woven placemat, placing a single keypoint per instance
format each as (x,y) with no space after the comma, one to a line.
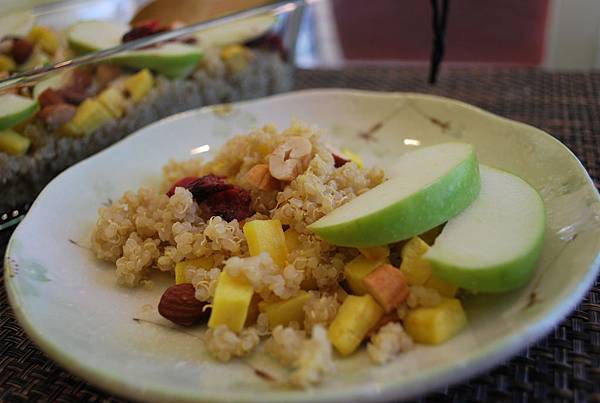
(565,366)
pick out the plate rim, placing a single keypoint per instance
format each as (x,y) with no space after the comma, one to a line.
(482,360)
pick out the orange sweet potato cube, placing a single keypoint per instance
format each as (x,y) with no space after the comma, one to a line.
(388,286)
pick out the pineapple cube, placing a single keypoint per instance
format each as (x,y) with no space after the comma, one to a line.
(45,38)
(113,100)
(416,269)
(139,85)
(444,288)
(375,252)
(7,63)
(90,115)
(231,302)
(387,285)
(357,269)
(13,143)
(354,319)
(285,311)
(436,325)
(180,268)
(266,236)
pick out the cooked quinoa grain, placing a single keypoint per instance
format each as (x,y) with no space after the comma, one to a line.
(389,341)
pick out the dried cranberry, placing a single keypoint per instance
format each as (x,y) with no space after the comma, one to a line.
(21,50)
(182,183)
(142,30)
(202,187)
(76,91)
(207,185)
(50,97)
(230,204)
(339,161)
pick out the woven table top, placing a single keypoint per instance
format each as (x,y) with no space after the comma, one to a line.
(564,366)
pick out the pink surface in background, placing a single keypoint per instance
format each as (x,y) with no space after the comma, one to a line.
(500,31)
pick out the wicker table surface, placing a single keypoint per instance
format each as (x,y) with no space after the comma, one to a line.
(564,366)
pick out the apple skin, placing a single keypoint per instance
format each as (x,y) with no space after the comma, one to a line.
(172,65)
(413,215)
(17,117)
(505,276)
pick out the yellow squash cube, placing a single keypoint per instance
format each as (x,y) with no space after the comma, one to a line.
(436,325)
(286,311)
(201,262)
(292,239)
(354,319)
(444,288)
(375,252)
(90,115)
(45,38)
(113,100)
(7,63)
(266,236)
(139,85)
(352,156)
(357,269)
(416,269)
(231,302)
(235,58)
(13,143)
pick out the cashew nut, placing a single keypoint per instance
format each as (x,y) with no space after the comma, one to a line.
(290,158)
(260,177)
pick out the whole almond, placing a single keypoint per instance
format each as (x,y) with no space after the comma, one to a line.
(179,305)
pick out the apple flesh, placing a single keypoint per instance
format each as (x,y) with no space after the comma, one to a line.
(14,109)
(18,23)
(92,36)
(430,186)
(493,245)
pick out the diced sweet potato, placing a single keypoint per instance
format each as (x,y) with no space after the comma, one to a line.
(388,286)
(436,325)
(357,269)
(286,311)
(266,236)
(354,319)
(231,302)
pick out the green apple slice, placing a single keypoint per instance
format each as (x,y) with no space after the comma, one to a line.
(431,185)
(171,59)
(239,31)
(14,109)
(16,24)
(91,36)
(493,245)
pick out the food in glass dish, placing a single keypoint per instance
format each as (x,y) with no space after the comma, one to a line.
(274,240)
(71,115)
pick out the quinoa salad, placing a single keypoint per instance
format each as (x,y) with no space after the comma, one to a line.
(234,232)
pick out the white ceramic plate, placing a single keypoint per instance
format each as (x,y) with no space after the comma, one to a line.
(70,306)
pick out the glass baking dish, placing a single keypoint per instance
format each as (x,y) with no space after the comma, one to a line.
(77,76)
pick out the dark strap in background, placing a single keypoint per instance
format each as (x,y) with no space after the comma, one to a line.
(565,366)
